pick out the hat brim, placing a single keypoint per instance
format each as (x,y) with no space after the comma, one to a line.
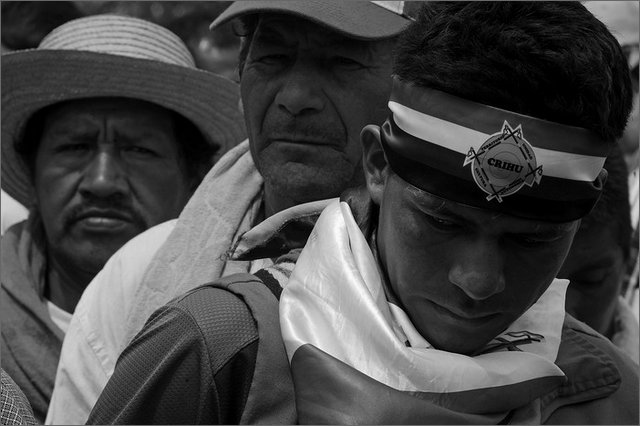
(354,19)
(34,79)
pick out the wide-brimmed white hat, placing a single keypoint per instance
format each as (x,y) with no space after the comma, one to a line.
(111,56)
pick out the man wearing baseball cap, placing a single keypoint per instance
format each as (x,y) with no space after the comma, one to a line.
(312,74)
(107,129)
(428,296)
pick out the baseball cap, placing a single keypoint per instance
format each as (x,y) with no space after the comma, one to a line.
(364,20)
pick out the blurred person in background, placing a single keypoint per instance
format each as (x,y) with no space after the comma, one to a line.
(596,265)
(623,20)
(215,51)
(25,23)
(107,129)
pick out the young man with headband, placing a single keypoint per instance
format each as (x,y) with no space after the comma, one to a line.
(429,297)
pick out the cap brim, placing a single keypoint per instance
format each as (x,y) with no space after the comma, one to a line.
(34,79)
(355,19)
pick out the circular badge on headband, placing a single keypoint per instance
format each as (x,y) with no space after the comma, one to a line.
(504,163)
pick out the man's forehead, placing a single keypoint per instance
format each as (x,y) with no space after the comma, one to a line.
(117,105)
(475,214)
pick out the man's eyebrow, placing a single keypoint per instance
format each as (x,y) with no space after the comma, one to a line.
(436,205)
(346,43)
(271,36)
(606,262)
(445,211)
(82,126)
(136,135)
(553,231)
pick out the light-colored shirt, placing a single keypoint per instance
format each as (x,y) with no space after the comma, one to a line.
(59,316)
(92,343)
(12,212)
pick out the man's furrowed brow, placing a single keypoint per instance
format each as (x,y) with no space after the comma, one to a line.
(426,199)
(137,135)
(272,36)
(80,125)
(342,44)
(550,229)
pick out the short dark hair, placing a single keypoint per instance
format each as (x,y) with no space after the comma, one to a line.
(550,60)
(198,155)
(612,209)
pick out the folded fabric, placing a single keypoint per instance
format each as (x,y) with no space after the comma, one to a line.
(338,327)
(225,205)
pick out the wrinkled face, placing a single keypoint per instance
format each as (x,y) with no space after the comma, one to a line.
(595,267)
(106,170)
(307,92)
(464,274)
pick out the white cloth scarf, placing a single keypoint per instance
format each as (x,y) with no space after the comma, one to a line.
(225,205)
(335,301)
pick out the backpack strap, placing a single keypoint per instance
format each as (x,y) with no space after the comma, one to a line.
(271,396)
(270,282)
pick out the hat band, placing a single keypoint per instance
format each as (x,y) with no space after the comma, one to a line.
(491,158)
(552,200)
(447,134)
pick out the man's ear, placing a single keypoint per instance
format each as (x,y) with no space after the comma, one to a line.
(374,162)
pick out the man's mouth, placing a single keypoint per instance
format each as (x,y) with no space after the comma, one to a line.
(464,316)
(302,140)
(103,220)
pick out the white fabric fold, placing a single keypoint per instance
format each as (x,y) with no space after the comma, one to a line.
(335,301)
(225,205)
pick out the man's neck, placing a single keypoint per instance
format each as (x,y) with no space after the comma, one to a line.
(275,201)
(65,285)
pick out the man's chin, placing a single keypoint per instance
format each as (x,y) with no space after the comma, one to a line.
(303,183)
(462,336)
(93,253)
(464,345)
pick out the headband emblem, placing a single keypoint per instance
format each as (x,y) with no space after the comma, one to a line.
(504,163)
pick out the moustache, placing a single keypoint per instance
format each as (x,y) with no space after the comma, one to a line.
(115,207)
(307,129)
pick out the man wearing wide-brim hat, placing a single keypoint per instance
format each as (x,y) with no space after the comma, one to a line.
(306,94)
(107,129)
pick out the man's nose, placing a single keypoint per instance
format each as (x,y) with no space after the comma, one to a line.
(301,91)
(103,176)
(478,270)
